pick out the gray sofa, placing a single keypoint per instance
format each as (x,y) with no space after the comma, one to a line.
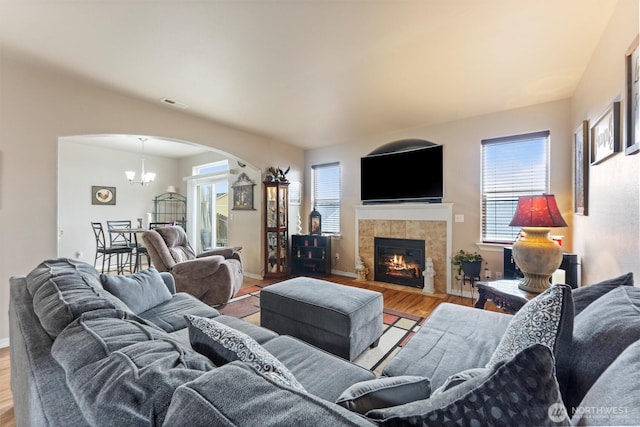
(86,351)
(72,343)
(597,366)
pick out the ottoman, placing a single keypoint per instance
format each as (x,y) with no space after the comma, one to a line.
(339,319)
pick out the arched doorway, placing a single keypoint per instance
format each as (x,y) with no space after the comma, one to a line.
(86,161)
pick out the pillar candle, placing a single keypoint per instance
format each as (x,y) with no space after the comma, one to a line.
(558,277)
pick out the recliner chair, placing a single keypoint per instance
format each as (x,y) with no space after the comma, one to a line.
(213,276)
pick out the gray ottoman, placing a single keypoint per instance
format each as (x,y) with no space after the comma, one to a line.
(339,319)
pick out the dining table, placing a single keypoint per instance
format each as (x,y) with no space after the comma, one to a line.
(133,232)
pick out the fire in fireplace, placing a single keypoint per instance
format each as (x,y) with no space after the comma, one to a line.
(399,261)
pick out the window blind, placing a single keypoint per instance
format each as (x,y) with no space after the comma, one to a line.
(326,195)
(511,167)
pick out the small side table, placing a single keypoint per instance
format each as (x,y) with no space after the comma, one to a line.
(505,294)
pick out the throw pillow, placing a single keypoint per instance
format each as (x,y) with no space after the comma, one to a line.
(602,332)
(384,392)
(521,391)
(613,400)
(140,291)
(99,333)
(60,267)
(546,319)
(222,344)
(585,295)
(461,377)
(63,298)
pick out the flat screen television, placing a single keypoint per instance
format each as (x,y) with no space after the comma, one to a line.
(406,176)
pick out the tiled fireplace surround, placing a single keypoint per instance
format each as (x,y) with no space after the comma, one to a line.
(428,222)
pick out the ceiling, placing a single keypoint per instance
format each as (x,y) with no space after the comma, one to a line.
(317,72)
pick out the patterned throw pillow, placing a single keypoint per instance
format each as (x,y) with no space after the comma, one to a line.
(520,391)
(547,319)
(383,392)
(222,344)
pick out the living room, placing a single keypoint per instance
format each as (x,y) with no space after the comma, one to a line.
(42,103)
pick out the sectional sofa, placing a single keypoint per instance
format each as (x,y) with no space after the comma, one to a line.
(89,350)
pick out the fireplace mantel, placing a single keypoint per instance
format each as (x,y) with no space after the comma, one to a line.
(390,220)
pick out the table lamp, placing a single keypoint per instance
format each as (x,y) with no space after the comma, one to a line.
(536,255)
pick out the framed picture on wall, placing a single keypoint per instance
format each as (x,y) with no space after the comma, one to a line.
(243,193)
(632,141)
(294,193)
(581,168)
(102,195)
(605,134)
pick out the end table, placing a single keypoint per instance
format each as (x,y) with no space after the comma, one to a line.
(505,294)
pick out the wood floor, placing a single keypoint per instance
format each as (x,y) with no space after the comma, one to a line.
(396,297)
(6,402)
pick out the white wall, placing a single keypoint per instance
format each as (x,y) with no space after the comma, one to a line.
(38,105)
(608,238)
(461,140)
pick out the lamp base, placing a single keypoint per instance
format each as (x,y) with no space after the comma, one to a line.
(534,283)
(537,256)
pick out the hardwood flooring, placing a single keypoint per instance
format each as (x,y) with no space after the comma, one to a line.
(6,401)
(396,297)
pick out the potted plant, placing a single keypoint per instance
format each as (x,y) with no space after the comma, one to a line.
(469,263)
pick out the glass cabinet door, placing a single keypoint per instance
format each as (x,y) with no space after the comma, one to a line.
(272,207)
(283,200)
(276,228)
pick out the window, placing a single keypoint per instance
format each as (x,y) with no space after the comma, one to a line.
(325,196)
(211,168)
(511,167)
(208,196)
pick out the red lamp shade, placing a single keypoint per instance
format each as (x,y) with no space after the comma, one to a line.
(538,211)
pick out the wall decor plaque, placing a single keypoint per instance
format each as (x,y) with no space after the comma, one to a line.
(581,168)
(605,134)
(632,142)
(102,195)
(243,193)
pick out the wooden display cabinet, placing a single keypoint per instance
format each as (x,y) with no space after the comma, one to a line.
(276,228)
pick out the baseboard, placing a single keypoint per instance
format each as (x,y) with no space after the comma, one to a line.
(4,342)
(253,276)
(465,293)
(343,273)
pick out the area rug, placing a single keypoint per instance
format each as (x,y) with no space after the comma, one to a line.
(398,327)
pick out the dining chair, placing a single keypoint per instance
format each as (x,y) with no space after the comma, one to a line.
(154,225)
(107,252)
(120,235)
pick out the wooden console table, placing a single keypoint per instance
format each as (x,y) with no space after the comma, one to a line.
(505,294)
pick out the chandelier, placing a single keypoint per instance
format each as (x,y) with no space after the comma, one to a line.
(145,177)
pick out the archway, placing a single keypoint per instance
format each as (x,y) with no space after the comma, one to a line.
(85,161)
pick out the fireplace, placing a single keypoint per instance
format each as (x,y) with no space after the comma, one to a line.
(399,261)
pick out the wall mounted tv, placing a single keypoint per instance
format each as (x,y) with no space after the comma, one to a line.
(410,175)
